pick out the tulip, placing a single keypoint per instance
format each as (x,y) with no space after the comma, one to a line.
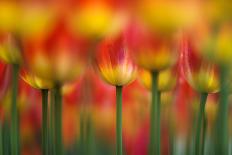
(203,77)
(44,86)
(97,19)
(10,53)
(58,57)
(155,53)
(214,43)
(114,65)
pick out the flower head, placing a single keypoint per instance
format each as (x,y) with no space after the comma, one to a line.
(201,74)
(113,62)
(35,81)
(150,51)
(10,49)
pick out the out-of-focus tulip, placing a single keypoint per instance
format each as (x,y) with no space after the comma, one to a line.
(35,81)
(114,63)
(10,49)
(58,57)
(168,16)
(200,74)
(166,79)
(152,52)
(97,18)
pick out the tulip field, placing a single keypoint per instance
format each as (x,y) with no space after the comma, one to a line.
(115,77)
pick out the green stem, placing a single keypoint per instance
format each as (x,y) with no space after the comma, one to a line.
(51,121)
(82,143)
(58,121)
(200,116)
(119,120)
(222,126)
(44,93)
(14,112)
(6,137)
(154,148)
(1,139)
(204,134)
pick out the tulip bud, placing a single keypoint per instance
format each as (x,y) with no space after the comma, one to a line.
(200,74)
(150,51)
(35,81)
(10,49)
(113,62)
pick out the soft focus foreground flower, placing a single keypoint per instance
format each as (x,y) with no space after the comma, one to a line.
(150,51)
(10,49)
(113,62)
(213,44)
(201,74)
(97,18)
(168,16)
(58,57)
(35,81)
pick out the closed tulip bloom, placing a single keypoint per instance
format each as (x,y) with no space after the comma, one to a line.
(150,51)
(10,49)
(57,57)
(201,75)
(113,62)
(35,81)
(166,79)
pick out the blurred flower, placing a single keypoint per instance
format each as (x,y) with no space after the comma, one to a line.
(58,57)
(10,49)
(200,74)
(35,81)
(166,79)
(168,16)
(113,62)
(150,51)
(97,18)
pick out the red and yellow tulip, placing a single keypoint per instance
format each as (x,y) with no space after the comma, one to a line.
(201,74)
(114,63)
(150,51)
